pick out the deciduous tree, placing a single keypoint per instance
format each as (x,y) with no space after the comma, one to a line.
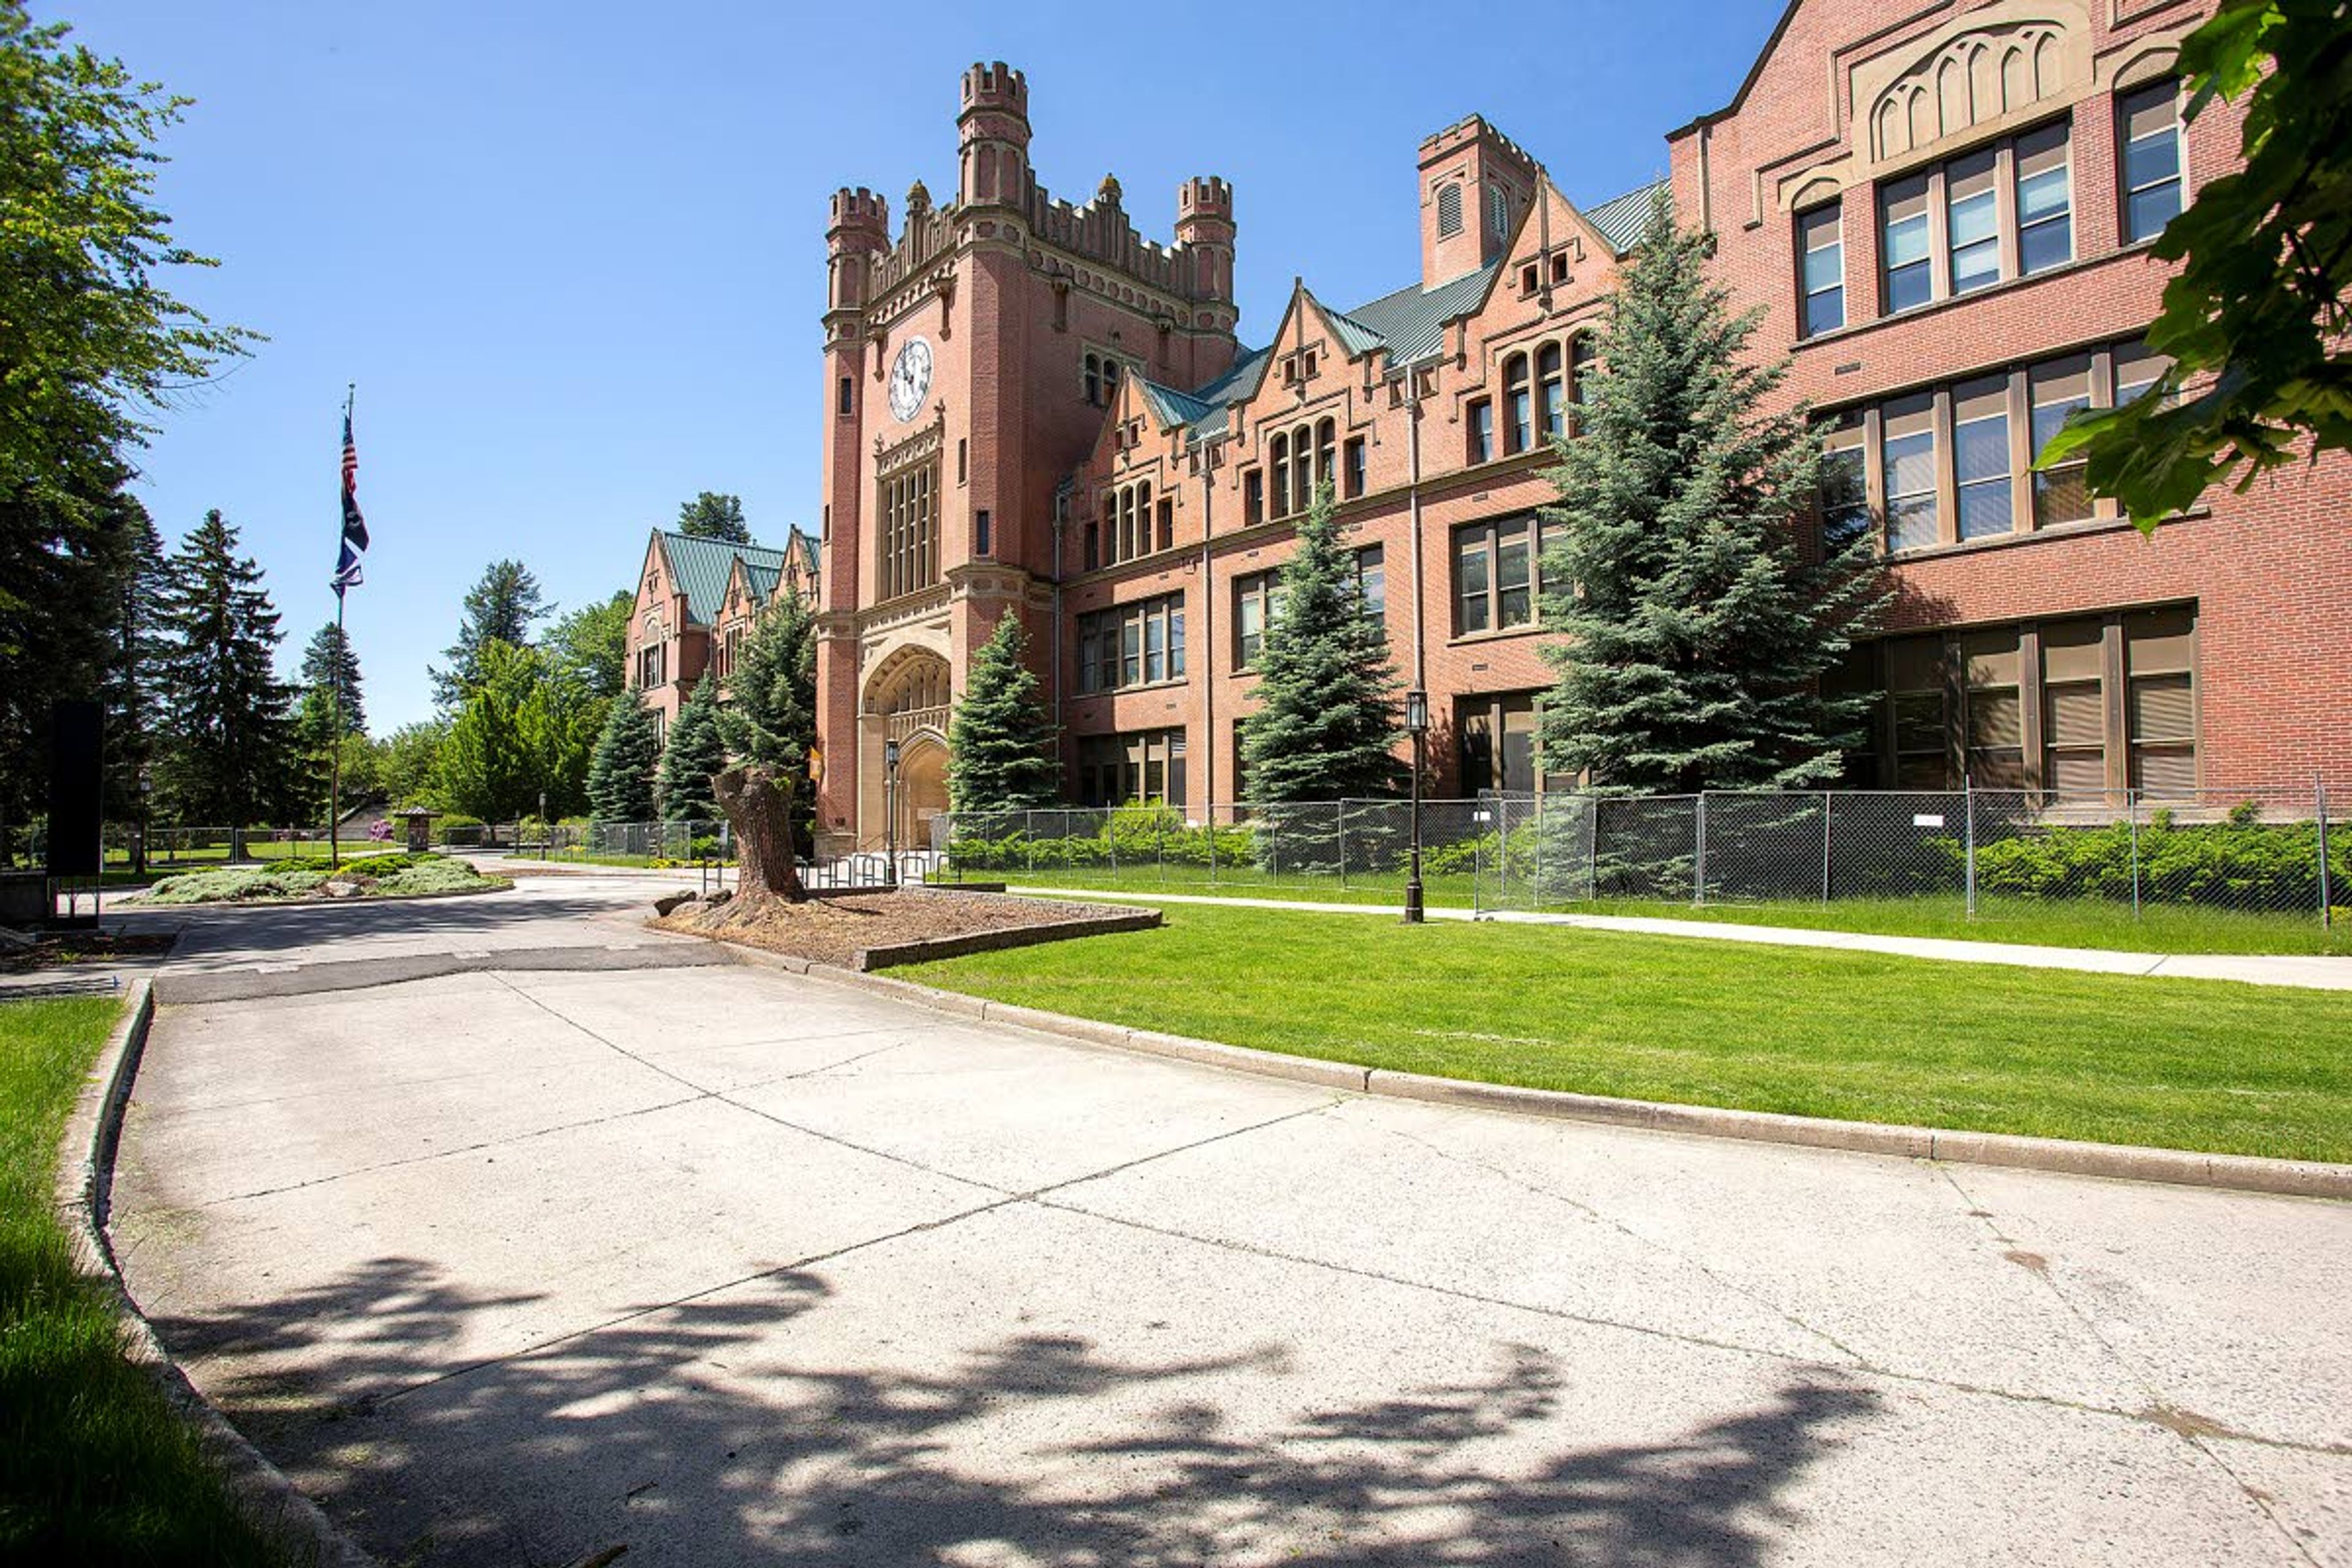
(2257,323)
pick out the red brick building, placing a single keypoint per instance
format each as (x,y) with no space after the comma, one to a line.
(697,599)
(1944,218)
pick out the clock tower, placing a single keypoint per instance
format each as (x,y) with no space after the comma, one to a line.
(970,363)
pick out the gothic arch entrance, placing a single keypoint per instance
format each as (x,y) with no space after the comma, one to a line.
(907,699)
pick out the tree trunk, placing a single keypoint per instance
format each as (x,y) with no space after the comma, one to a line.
(758,801)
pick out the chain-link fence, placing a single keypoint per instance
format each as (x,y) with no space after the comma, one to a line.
(2269,853)
(646,843)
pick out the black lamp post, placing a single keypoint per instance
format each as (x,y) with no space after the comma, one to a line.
(1416,720)
(890,804)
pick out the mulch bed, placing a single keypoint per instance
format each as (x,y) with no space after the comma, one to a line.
(60,949)
(855,931)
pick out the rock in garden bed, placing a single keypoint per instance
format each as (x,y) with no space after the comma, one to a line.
(875,931)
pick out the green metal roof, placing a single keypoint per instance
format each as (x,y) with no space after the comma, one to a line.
(1411,321)
(1622,218)
(701,567)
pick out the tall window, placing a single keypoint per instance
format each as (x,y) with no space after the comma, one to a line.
(1131,644)
(1253,497)
(2151,171)
(1278,458)
(1845,484)
(1910,472)
(1519,431)
(2058,389)
(1257,605)
(2073,707)
(1551,391)
(1167,540)
(1497,738)
(1478,425)
(1903,247)
(1494,578)
(1980,455)
(2159,699)
(1580,364)
(1449,209)
(1972,220)
(1994,717)
(1092,380)
(1821,252)
(1352,470)
(1326,455)
(2045,201)
(910,553)
(1372,582)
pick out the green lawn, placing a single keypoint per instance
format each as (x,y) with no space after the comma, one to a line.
(2085,923)
(2176,1063)
(94,1465)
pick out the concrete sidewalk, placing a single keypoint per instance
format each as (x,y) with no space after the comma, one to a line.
(731,1267)
(2316,974)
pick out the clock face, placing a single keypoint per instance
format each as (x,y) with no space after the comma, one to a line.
(910,377)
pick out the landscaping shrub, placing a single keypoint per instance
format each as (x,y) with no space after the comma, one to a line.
(2240,862)
(437,876)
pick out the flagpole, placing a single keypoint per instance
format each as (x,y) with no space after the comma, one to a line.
(335,683)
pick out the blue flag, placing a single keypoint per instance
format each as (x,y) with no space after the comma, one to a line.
(355,535)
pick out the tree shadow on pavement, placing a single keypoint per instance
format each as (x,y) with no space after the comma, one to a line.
(722,1431)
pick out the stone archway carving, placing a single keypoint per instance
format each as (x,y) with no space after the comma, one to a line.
(912,690)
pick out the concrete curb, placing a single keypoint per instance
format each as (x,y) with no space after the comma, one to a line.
(274,1505)
(2178,1167)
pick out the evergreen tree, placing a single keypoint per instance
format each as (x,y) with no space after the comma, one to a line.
(133,675)
(621,774)
(1001,753)
(1327,721)
(697,749)
(500,608)
(713,516)
(770,715)
(230,747)
(331,663)
(1695,628)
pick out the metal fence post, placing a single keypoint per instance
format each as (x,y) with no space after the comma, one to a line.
(1343,845)
(1212,844)
(1110,835)
(1592,856)
(1969,809)
(2326,899)
(2131,810)
(1698,882)
(1825,845)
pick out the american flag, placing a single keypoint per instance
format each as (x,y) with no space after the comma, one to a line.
(355,533)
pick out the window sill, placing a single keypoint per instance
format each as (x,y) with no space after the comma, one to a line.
(1974,296)
(1501,634)
(1172,683)
(2088,526)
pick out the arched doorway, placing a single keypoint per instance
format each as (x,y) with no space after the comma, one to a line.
(907,700)
(922,788)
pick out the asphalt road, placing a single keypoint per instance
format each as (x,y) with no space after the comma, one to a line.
(513,1265)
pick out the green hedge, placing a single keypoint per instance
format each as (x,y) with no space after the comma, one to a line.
(2242,863)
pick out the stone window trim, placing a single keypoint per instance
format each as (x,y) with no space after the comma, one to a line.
(1923,477)
(1299,460)
(1123,531)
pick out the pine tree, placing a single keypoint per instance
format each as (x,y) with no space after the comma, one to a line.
(133,679)
(1694,630)
(629,754)
(501,608)
(713,516)
(330,663)
(771,710)
(1000,743)
(230,757)
(1327,721)
(697,749)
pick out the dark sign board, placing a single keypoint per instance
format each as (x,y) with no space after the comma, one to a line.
(76,747)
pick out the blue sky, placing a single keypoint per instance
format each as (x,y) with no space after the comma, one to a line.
(573,254)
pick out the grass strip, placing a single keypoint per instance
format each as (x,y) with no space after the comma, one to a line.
(95,1466)
(2181,1064)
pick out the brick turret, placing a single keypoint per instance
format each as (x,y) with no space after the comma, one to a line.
(992,133)
(859,229)
(1204,231)
(1475,183)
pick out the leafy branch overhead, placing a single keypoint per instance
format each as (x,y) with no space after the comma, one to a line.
(2256,323)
